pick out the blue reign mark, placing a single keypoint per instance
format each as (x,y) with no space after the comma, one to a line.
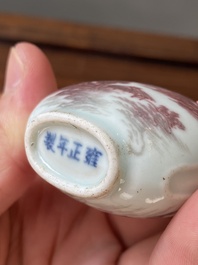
(49,141)
(62,145)
(92,156)
(72,149)
(74,153)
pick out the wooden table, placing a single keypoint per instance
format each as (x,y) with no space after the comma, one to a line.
(81,53)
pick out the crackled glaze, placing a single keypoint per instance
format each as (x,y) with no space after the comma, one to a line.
(122,147)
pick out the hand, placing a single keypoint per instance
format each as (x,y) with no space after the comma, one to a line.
(40,225)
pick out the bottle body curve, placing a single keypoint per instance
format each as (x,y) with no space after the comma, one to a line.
(122,147)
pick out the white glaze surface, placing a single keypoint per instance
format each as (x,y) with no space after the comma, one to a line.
(152,160)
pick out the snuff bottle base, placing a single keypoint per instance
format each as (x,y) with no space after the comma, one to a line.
(74,155)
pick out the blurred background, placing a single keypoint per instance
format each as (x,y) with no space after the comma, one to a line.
(147,41)
(175,17)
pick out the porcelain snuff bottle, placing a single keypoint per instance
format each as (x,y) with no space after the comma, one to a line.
(121,147)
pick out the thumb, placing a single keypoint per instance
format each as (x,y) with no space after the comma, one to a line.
(178,244)
(29,78)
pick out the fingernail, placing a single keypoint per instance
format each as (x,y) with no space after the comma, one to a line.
(14,70)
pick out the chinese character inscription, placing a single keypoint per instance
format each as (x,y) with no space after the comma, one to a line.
(61,145)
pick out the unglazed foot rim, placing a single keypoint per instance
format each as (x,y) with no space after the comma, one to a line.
(44,120)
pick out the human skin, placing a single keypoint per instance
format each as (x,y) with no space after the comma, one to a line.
(40,225)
